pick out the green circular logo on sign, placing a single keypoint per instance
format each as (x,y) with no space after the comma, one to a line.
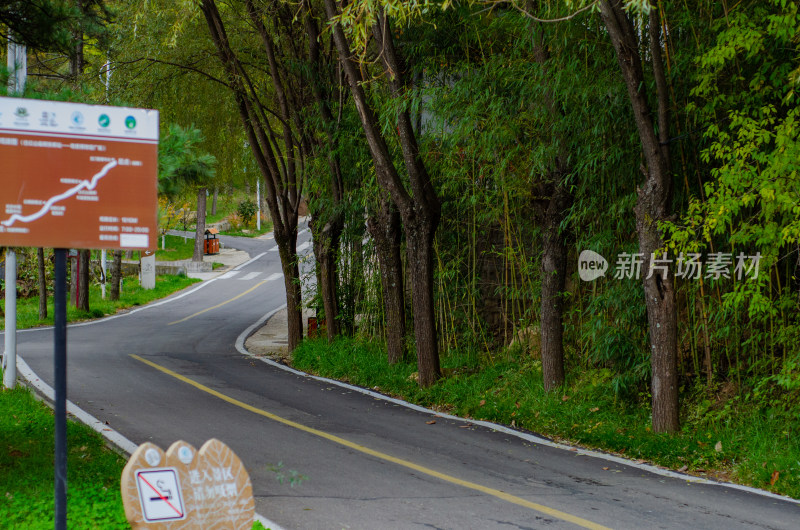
(130,122)
(104,120)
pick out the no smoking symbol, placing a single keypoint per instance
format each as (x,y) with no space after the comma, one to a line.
(160,495)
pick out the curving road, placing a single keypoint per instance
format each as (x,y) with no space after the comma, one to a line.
(172,371)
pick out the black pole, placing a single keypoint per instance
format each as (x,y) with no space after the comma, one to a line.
(60,319)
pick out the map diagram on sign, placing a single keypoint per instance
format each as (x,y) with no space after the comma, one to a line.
(88,185)
(66,185)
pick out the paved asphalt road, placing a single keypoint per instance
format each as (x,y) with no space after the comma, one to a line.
(369,463)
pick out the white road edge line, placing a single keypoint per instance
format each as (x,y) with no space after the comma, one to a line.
(106,431)
(121,315)
(497,427)
(148,306)
(248,262)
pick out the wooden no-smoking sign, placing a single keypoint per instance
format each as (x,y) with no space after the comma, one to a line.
(187,489)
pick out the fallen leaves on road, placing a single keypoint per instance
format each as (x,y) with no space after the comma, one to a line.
(430,422)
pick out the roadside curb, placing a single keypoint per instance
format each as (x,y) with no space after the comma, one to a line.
(528,437)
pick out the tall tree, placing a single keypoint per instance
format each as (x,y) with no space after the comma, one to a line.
(419,206)
(281,159)
(654,204)
(327,219)
(182,160)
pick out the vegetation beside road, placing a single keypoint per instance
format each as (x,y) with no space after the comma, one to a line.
(729,438)
(132,295)
(26,470)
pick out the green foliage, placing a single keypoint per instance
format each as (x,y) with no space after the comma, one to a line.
(247,210)
(282,475)
(743,99)
(48,25)
(26,469)
(181,161)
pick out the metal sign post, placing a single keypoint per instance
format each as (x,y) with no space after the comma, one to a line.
(75,176)
(10,352)
(60,374)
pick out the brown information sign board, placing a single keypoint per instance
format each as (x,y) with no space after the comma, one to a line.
(77,176)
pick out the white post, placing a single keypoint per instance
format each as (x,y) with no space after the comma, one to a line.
(18,68)
(258,203)
(107,66)
(104,267)
(10,356)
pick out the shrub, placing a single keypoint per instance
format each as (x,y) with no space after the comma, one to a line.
(247,210)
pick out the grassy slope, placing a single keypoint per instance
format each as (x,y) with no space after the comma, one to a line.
(132,295)
(27,476)
(26,469)
(756,447)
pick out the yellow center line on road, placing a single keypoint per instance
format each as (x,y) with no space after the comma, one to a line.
(220,305)
(584,523)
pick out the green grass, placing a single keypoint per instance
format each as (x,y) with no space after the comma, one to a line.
(27,477)
(26,469)
(176,248)
(755,442)
(132,295)
(266,227)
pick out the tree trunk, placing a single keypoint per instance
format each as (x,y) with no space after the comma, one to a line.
(554,274)
(420,208)
(83,280)
(116,276)
(42,284)
(76,60)
(384,227)
(326,245)
(200,226)
(291,278)
(214,201)
(551,213)
(73,281)
(653,205)
(419,248)
(277,161)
